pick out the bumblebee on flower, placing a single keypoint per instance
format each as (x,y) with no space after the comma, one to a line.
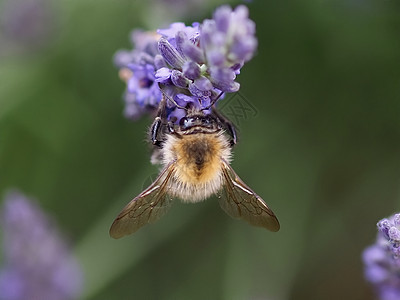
(179,75)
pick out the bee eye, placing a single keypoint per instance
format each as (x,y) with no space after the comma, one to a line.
(183,122)
(186,123)
(207,121)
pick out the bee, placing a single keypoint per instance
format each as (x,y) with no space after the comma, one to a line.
(196,156)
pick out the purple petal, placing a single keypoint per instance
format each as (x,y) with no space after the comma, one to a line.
(228,87)
(183,99)
(376,273)
(373,254)
(192,32)
(154,95)
(195,91)
(203,84)
(132,111)
(150,73)
(383,226)
(132,85)
(396,219)
(11,285)
(222,16)
(243,48)
(236,68)
(170,54)
(204,103)
(159,62)
(163,75)
(223,79)
(216,58)
(396,252)
(187,48)
(241,13)
(394,234)
(180,39)
(178,79)
(389,293)
(228,39)
(170,32)
(193,52)
(122,58)
(207,30)
(191,70)
(176,115)
(145,41)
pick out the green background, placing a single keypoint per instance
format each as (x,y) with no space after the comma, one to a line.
(322,150)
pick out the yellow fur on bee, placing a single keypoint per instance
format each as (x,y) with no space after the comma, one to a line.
(198,164)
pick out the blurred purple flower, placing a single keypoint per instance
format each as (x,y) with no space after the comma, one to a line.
(137,68)
(192,65)
(37,261)
(382,259)
(25,24)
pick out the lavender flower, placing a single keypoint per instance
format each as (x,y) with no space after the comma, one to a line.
(25,25)
(37,261)
(137,69)
(192,65)
(203,60)
(382,260)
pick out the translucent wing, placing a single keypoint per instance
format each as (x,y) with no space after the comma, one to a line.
(240,202)
(146,208)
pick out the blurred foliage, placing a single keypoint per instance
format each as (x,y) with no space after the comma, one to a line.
(323,150)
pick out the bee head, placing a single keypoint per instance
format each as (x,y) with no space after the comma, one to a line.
(198,119)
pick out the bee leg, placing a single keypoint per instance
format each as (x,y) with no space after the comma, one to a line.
(154,130)
(158,123)
(228,126)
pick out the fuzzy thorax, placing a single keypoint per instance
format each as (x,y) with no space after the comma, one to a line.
(198,164)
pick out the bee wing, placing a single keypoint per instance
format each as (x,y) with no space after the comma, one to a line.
(240,202)
(146,208)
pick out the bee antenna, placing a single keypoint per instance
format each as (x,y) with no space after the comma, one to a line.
(170,99)
(176,104)
(213,101)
